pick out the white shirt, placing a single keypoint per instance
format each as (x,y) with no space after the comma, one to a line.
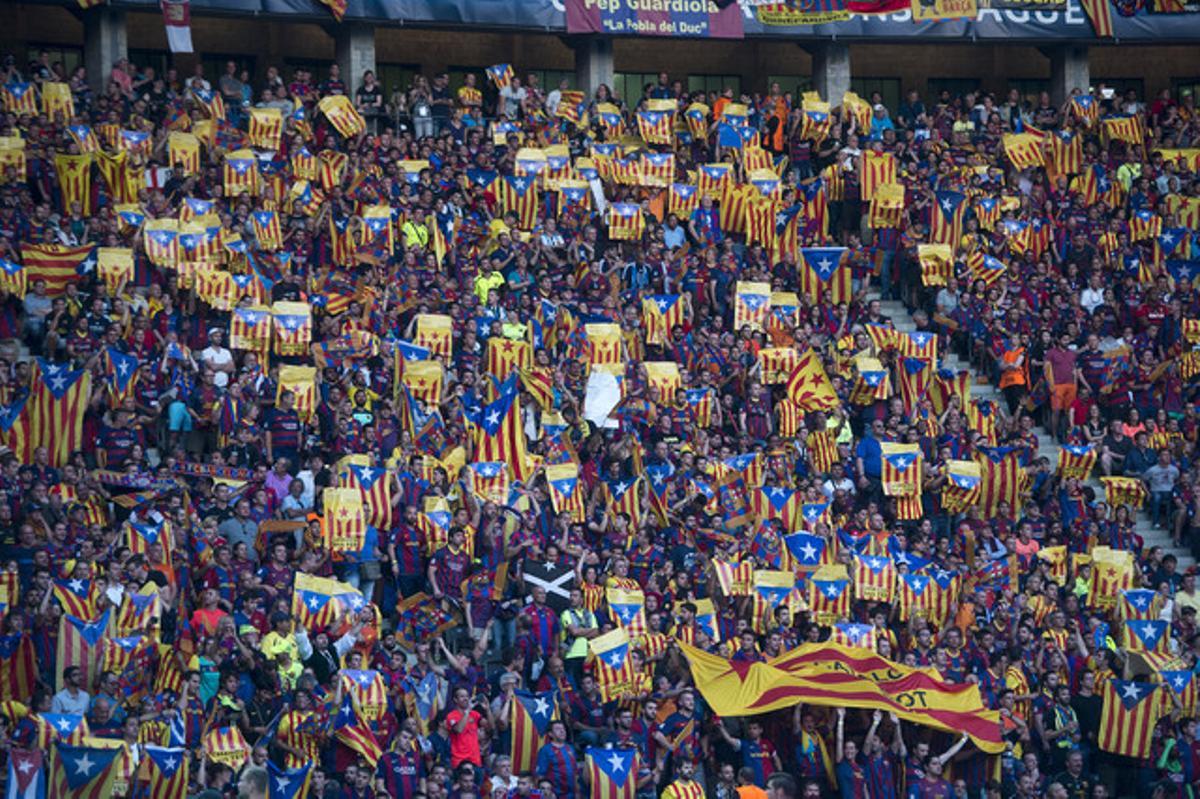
(552,101)
(198,83)
(511,100)
(214,357)
(1090,298)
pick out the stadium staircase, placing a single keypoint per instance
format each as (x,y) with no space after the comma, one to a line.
(1048,448)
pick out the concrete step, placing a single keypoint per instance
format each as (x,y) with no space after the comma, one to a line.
(1047,446)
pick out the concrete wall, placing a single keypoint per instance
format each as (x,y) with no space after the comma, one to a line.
(753,60)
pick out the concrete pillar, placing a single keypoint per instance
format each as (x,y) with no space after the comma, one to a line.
(354,49)
(831,70)
(104,43)
(1068,71)
(593,63)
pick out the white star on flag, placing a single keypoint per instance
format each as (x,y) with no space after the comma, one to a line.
(614,661)
(1130,691)
(84,765)
(616,762)
(808,551)
(541,707)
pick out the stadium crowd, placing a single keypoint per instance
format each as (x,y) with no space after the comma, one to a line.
(183,499)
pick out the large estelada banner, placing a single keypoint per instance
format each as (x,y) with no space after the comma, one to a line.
(689,18)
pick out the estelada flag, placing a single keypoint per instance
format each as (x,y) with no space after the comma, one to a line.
(57,264)
(342,114)
(664,377)
(183,152)
(75,181)
(605,344)
(824,274)
(1128,491)
(227,746)
(317,602)
(613,772)
(59,399)
(518,195)
(250,328)
(82,772)
(505,356)
(887,206)
(735,579)
(435,332)
(829,599)
(488,481)
(115,266)
(751,305)
(1138,604)
(1129,715)
(809,386)
(871,381)
(367,689)
(18,667)
(168,770)
(501,75)
(961,490)
(529,723)
(292,326)
(566,494)
(265,128)
(661,313)
(776,364)
(915,595)
(160,238)
(375,486)
(57,102)
(874,578)
(614,666)
(656,127)
(845,678)
(267,229)
(498,431)
(853,636)
(1024,150)
(79,644)
(628,609)
(302,382)
(948,211)
(241,173)
(345,519)
(878,169)
(937,263)
(1076,460)
(625,221)
(19,98)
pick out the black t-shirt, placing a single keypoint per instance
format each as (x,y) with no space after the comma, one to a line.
(367,97)
(441,108)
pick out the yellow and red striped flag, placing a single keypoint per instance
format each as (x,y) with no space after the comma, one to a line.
(1024,150)
(267,229)
(937,263)
(947,218)
(18,666)
(489,481)
(19,98)
(498,431)
(751,305)
(874,578)
(79,645)
(625,221)
(530,726)
(887,206)
(83,772)
(342,114)
(115,267)
(830,594)
(1124,127)
(628,609)
(1127,491)
(1130,712)
(241,173)
(265,128)
(566,494)
(57,102)
(1099,13)
(75,181)
(809,386)
(661,313)
(518,194)
(825,274)
(345,519)
(1077,460)
(878,169)
(56,264)
(292,326)
(901,477)
(227,746)
(656,127)
(168,769)
(59,399)
(435,332)
(367,689)
(374,484)
(505,356)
